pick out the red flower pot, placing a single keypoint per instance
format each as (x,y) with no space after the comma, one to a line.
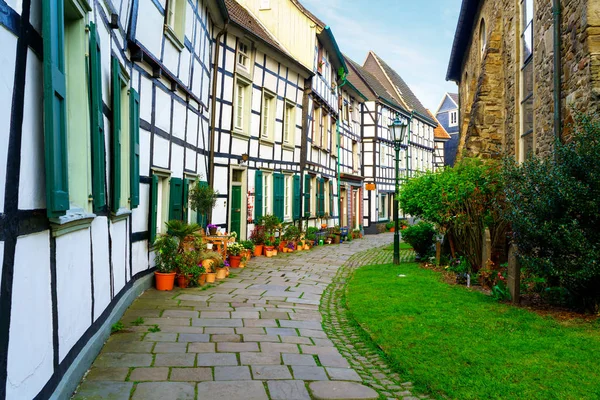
(234,261)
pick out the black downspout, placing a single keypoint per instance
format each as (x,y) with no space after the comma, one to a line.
(557,72)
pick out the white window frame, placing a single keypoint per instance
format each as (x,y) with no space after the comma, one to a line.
(289,197)
(175,22)
(162,202)
(267,115)
(289,124)
(245,85)
(453,118)
(267,183)
(243,55)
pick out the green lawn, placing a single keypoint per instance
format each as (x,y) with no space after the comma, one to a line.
(403,246)
(450,341)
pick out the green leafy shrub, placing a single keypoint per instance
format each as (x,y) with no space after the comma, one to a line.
(291,233)
(461,202)
(554,208)
(166,248)
(421,237)
(389,225)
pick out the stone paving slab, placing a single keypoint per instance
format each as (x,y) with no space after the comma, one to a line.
(262,334)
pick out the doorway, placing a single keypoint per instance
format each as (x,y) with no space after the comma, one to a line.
(237,212)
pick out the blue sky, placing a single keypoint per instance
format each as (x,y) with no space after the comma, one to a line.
(413,37)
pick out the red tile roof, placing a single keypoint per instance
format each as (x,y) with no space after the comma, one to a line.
(439,132)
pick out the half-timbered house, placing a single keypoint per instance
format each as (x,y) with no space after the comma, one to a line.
(106,110)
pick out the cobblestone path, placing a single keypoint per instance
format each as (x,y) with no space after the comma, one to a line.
(257,335)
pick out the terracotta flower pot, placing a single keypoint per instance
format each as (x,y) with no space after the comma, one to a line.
(202,279)
(234,261)
(393,229)
(336,239)
(306,247)
(221,273)
(268,248)
(212,231)
(282,245)
(258,250)
(183,281)
(164,281)
(208,264)
(210,277)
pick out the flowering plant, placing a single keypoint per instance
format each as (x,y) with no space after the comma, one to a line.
(235,249)
(291,245)
(211,226)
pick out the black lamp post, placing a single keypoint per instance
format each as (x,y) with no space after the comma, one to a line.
(398,130)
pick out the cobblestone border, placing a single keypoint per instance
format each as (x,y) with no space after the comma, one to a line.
(364,356)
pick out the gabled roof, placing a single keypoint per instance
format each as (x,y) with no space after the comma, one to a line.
(403,92)
(328,40)
(369,85)
(439,132)
(244,20)
(452,96)
(462,37)
(310,15)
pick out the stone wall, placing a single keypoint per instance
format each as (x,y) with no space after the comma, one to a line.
(490,82)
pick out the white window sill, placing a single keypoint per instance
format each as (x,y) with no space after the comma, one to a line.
(238,133)
(172,36)
(121,215)
(74,220)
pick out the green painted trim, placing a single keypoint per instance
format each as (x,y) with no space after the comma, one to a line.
(68,225)
(336,48)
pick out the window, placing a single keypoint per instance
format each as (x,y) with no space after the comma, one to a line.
(354,111)
(175,22)
(382,210)
(267,116)
(267,190)
(243,55)
(327,197)
(324,130)
(241,110)
(289,124)
(159,208)
(355,158)
(382,154)
(482,37)
(526,144)
(320,58)
(316,127)
(289,197)
(453,118)
(307,195)
(334,137)
(346,112)
(120,139)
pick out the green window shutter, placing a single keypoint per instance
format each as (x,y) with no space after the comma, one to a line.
(307,195)
(175,199)
(55,109)
(201,219)
(331,198)
(116,134)
(279,196)
(296,197)
(321,197)
(97,120)
(186,192)
(153,208)
(258,196)
(134,148)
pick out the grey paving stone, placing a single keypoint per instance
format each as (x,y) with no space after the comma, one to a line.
(279,347)
(232,373)
(215,314)
(313,333)
(314,325)
(343,374)
(296,340)
(180,313)
(201,348)
(220,331)
(215,322)
(307,373)
(333,360)
(282,331)
(237,347)
(167,321)
(260,323)
(274,315)
(335,390)
(260,358)
(250,331)
(288,390)
(170,348)
(194,337)
(299,359)
(107,374)
(181,329)
(191,374)
(128,347)
(246,390)
(319,350)
(164,391)
(216,359)
(245,314)
(174,360)
(226,338)
(270,372)
(149,374)
(123,360)
(261,338)
(160,337)
(103,390)
(319,342)
(190,297)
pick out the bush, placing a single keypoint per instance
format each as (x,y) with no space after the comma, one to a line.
(462,202)
(554,208)
(421,237)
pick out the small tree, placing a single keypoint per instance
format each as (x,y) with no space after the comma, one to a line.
(203,199)
(554,206)
(421,237)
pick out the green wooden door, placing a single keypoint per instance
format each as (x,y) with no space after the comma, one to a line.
(236,209)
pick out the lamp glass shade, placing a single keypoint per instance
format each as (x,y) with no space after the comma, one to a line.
(398,128)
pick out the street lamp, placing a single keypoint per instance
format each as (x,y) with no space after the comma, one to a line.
(398,130)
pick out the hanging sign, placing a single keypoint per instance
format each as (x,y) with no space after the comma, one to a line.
(370,186)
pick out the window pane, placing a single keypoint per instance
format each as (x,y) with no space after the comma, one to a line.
(527,41)
(527,11)
(527,115)
(527,80)
(526,145)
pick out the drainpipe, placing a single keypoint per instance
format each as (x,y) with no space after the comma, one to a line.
(212,127)
(338,133)
(557,71)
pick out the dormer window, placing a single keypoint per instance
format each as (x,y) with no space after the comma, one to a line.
(243,55)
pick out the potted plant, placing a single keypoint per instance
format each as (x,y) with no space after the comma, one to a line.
(210,261)
(269,248)
(271,223)
(258,239)
(222,270)
(248,248)
(190,269)
(235,254)
(291,246)
(202,199)
(165,261)
(212,229)
(390,226)
(187,234)
(337,234)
